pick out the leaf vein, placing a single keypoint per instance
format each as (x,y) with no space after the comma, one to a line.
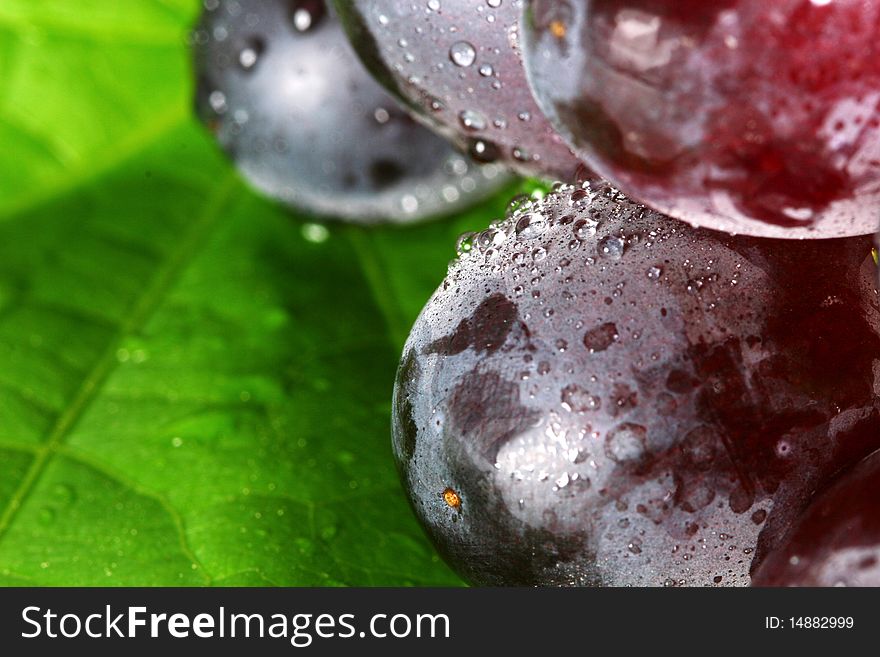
(141,310)
(79,458)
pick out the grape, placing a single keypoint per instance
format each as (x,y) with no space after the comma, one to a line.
(837,541)
(457,65)
(288,100)
(597,394)
(749,116)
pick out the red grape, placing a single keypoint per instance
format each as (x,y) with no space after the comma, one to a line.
(837,540)
(751,116)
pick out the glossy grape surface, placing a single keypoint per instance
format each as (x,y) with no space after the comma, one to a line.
(748,116)
(288,100)
(457,65)
(836,542)
(598,395)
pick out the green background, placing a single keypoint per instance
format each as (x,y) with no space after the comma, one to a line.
(191,391)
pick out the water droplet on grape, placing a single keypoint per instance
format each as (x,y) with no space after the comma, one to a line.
(626,443)
(611,247)
(455,63)
(462,53)
(530,226)
(578,400)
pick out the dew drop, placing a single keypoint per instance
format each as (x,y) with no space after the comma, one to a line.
(491,237)
(471,120)
(409,203)
(462,53)
(483,151)
(381,115)
(465,243)
(577,400)
(217,100)
(315,233)
(530,226)
(611,247)
(307,14)
(626,443)
(583,229)
(250,54)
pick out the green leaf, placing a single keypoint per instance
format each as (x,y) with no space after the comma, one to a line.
(191,391)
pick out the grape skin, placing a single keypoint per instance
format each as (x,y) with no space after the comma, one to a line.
(836,542)
(616,398)
(456,64)
(752,117)
(288,100)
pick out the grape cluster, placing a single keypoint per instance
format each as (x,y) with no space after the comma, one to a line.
(666,370)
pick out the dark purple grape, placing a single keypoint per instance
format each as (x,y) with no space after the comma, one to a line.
(836,542)
(750,116)
(304,122)
(457,65)
(599,395)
